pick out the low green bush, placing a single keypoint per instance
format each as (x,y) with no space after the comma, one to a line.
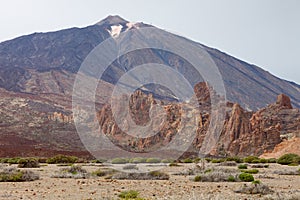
(250,159)
(246,177)
(218,160)
(288,159)
(138,160)
(62,159)
(256,182)
(119,161)
(243,166)
(197,178)
(272,160)
(28,163)
(103,172)
(98,161)
(236,159)
(231,178)
(15,175)
(153,160)
(250,171)
(174,164)
(131,194)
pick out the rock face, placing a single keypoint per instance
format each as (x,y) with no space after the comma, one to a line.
(244,133)
(284,101)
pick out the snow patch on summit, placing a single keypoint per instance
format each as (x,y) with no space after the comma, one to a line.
(115,30)
(131,25)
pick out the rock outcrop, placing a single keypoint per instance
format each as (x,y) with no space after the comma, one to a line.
(244,133)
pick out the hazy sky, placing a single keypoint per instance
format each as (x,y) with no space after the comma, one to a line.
(262,32)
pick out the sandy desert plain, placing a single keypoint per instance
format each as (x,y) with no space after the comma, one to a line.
(93,181)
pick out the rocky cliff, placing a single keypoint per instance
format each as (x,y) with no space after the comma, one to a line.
(244,133)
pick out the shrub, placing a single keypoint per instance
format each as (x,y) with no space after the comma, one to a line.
(174,164)
(11,160)
(246,177)
(254,189)
(62,159)
(215,176)
(208,171)
(130,167)
(228,163)
(131,194)
(218,160)
(98,161)
(196,160)
(260,166)
(208,159)
(74,171)
(15,175)
(288,159)
(28,163)
(103,172)
(287,172)
(243,166)
(256,182)
(250,159)
(272,160)
(197,178)
(119,161)
(154,175)
(231,178)
(138,160)
(153,160)
(235,159)
(250,171)
(263,160)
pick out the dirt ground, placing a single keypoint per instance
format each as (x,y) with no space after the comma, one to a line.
(178,187)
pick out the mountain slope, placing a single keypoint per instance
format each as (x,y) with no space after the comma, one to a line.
(26,56)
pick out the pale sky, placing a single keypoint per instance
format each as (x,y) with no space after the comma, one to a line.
(261,32)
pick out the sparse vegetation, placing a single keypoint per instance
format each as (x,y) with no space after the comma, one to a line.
(256,182)
(103,172)
(98,161)
(119,161)
(272,160)
(131,194)
(243,166)
(231,178)
(153,160)
(260,166)
(197,178)
(28,163)
(167,161)
(218,160)
(174,164)
(154,175)
(16,175)
(250,171)
(250,159)
(254,189)
(288,159)
(130,167)
(287,172)
(62,159)
(138,160)
(235,159)
(246,177)
(75,171)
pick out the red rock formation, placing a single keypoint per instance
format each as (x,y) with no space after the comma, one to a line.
(244,133)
